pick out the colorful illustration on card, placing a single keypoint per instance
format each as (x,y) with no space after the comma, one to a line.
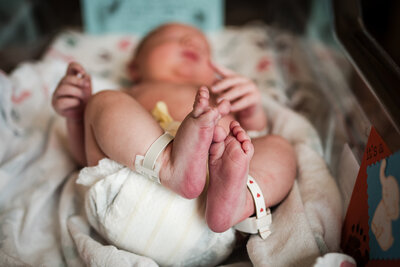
(383,208)
(355,231)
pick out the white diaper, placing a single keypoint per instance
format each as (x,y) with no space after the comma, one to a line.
(147,166)
(143,217)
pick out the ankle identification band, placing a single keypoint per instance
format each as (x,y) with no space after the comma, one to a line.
(147,165)
(263,219)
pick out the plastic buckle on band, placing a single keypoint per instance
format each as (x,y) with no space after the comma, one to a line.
(147,165)
(263,219)
(152,174)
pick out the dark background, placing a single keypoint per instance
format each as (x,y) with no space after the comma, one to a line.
(48,17)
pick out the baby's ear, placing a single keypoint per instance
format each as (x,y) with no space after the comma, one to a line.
(133,70)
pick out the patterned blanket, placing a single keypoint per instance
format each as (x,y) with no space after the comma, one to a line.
(41,217)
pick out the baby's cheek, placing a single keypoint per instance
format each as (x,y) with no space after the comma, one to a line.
(160,62)
(158,57)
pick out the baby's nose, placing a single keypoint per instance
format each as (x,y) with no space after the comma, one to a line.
(192,42)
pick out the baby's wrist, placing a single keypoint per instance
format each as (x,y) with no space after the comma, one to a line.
(255,120)
(253,113)
(250,111)
(72,120)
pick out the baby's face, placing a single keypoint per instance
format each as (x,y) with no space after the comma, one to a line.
(176,53)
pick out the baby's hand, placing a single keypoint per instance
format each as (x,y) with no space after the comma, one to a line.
(241,92)
(72,93)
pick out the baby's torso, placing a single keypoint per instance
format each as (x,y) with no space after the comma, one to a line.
(178,98)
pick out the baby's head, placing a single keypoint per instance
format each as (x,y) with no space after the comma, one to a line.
(173,53)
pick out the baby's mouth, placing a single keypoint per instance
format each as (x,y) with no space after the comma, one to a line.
(188,54)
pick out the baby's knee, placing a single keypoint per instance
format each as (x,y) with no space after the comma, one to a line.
(286,152)
(283,145)
(275,143)
(105,102)
(100,100)
(279,140)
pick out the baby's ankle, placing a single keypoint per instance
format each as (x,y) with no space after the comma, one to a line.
(165,163)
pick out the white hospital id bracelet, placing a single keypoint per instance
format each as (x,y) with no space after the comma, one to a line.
(263,219)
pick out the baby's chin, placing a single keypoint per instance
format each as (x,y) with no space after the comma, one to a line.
(187,76)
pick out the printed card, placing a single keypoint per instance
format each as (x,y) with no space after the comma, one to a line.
(355,229)
(138,17)
(383,208)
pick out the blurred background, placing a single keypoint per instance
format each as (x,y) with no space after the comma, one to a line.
(348,51)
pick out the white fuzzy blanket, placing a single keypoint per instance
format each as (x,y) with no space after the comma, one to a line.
(41,216)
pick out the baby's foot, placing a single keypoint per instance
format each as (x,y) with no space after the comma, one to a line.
(187,168)
(229,167)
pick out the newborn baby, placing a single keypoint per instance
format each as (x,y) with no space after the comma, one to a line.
(210,107)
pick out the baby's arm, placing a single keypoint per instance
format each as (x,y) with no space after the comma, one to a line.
(244,96)
(69,100)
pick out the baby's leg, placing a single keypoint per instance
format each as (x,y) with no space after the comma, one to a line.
(273,166)
(118,127)
(229,161)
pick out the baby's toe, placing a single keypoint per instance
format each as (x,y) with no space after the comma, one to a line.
(219,134)
(239,133)
(216,151)
(248,148)
(201,103)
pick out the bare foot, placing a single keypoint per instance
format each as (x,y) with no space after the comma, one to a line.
(186,167)
(229,167)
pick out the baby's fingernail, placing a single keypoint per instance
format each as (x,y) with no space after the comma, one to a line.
(220,99)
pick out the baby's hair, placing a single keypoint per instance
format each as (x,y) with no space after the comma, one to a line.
(141,44)
(143,41)
(149,35)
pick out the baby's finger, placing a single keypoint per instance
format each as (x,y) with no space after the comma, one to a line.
(243,103)
(67,90)
(88,79)
(76,69)
(226,83)
(221,70)
(74,81)
(87,89)
(67,103)
(234,93)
